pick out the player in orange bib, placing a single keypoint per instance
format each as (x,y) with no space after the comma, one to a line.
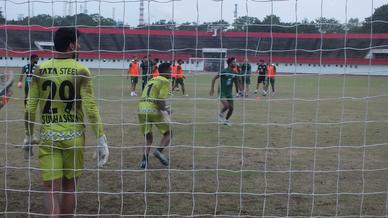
(237,70)
(155,69)
(173,76)
(133,73)
(271,72)
(180,77)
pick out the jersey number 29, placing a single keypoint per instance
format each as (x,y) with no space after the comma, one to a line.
(67,99)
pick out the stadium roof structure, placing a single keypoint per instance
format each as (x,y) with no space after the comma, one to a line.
(123,43)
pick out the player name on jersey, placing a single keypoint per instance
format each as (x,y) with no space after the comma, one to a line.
(59,118)
(58,71)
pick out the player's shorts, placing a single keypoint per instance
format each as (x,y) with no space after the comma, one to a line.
(147,120)
(134,79)
(227,97)
(59,159)
(179,81)
(261,79)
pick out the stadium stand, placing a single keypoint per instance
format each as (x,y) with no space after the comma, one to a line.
(119,43)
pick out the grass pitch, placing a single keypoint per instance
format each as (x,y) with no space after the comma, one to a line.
(316,148)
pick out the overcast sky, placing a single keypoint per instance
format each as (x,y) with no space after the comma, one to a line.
(203,10)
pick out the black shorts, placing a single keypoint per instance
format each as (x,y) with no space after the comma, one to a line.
(261,79)
(179,81)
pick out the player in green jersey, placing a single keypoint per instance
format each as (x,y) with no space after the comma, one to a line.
(227,79)
(28,70)
(63,88)
(152,110)
(246,70)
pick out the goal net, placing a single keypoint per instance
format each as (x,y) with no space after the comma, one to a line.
(302,134)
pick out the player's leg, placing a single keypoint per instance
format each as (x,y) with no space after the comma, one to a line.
(273,85)
(257,85)
(225,107)
(182,86)
(148,139)
(144,82)
(172,84)
(26,89)
(230,109)
(239,86)
(247,83)
(134,86)
(165,140)
(73,165)
(28,150)
(165,130)
(68,196)
(146,127)
(266,85)
(51,166)
(52,198)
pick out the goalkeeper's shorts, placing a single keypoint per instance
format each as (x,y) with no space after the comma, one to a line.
(59,159)
(147,120)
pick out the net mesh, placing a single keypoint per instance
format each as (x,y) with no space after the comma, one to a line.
(314,147)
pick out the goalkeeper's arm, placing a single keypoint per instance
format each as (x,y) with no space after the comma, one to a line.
(162,106)
(91,109)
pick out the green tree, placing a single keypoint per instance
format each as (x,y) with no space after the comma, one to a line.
(78,20)
(187,26)
(2,19)
(242,22)
(378,21)
(160,25)
(307,26)
(273,23)
(271,19)
(328,25)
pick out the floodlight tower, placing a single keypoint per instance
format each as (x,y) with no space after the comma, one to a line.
(235,12)
(70,8)
(141,13)
(85,7)
(32,9)
(64,8)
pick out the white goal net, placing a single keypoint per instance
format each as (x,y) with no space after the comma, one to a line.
(302,134)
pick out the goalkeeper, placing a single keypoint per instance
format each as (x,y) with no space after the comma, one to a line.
(63,89)
(152,110)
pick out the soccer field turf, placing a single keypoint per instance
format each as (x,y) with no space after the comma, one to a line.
(318,147)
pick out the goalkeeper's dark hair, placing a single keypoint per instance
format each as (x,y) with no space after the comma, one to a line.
(64,36)
(164,68)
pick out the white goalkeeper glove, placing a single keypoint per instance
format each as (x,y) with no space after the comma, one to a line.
(20,85)
(102,151)
(28,142)
(166,116)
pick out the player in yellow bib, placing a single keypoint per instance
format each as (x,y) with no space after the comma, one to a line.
(62,88)
(152,110)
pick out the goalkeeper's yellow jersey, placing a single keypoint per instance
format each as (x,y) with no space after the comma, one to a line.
(156,89)
(62,88)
